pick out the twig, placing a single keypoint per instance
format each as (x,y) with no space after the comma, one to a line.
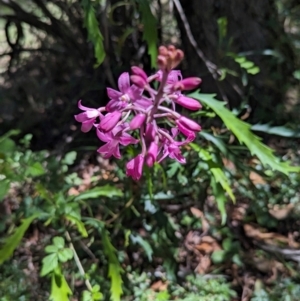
(212,68)
(78,263)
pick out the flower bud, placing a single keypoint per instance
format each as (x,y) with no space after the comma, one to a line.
(188,123)
(150,132)
(137,121)
(188,103)
(152,154)
(138,81)
(134,167)
(189,83)
(139,71)
(109,121)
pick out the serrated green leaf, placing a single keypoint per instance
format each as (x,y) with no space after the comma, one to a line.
(50,262)
(243,133)
(94,33)
(114,267)
(35,170)
(79,224)
(4,187)
(59,242)
(60,290)
(12,242)
(150,35)
(106,191)
(65,254)
(137,239)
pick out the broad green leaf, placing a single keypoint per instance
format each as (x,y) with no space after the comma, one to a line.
(35,169)
(242,131)
(60,290)
(4,187)
(69,158)
(247,65)
(150,29)
(218,256)
(49,263)
(253,70)
(7,146)
(59,242)
(106,191)
(114,267)
(137,239)
(94,295)
(79,224)
(12,242)
(65,254)
(51,249)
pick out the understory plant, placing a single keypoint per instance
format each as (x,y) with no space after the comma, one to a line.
(143,116)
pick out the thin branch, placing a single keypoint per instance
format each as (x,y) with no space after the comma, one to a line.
(78,262)
(212,68)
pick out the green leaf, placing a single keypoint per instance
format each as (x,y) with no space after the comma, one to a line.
(253,70)
(50,262)
(94,295)
(282,131)
(137,239)
(150,29)
(247,65)
(35,170)
(8,134)
(60,290)
(218,142)
(12,242)
(4,187)
(220,199)
(94,33)
(218,256)
(51,249)
(114,267)
(59,242)
(106,191)
(214,168)
(69,158)
(243,133)
(79,224)
(65,254)
(7,146)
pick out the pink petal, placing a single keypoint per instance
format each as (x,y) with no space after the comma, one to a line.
(81,107)
(81,117)
(105,137)
(113,94)
(126,139)
(87,125)
(123,82)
